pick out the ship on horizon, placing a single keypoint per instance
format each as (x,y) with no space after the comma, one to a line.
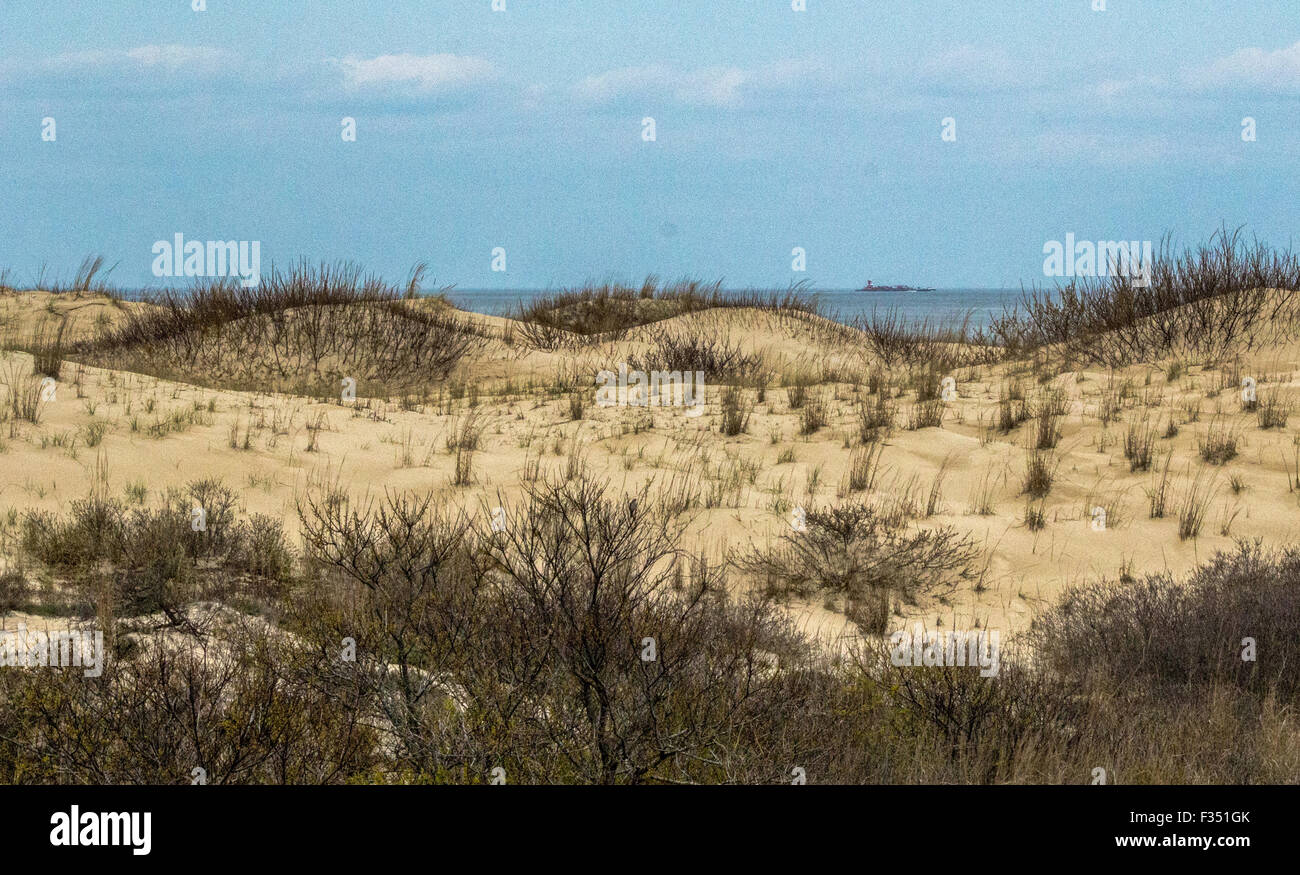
(871,287)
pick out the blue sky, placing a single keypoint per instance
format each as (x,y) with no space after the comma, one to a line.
(522,129)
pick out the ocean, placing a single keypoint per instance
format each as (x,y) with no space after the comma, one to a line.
(942,305)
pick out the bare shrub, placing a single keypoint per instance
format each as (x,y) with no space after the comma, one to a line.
(1040,471)
(1218,444)
(852,551)
(1184,638)
(926,414)
(875,419)
(716,356)
(1274,411)
(305,330)
(1194,504)
(813,415)
(1139,445)
(735,411)
(1206,301)
(26,394)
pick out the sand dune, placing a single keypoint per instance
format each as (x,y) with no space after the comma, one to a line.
(160,434)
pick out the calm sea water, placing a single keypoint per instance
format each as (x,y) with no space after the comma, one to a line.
(942,305)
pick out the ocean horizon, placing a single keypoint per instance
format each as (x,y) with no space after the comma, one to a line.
(843,305)
(944,306)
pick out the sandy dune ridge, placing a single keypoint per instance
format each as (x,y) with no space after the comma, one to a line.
(967,473)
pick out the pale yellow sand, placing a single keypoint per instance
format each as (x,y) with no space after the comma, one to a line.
(372,446)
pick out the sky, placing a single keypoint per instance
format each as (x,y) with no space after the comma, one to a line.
(523,129)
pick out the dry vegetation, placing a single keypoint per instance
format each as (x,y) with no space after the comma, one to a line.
(471,564)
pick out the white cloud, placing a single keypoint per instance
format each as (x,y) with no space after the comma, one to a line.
(971,68)
(150,70)
(1277,70)
(1117,88)
(152,57)
(793,74)
(420,73)
(705,86)
(716,86)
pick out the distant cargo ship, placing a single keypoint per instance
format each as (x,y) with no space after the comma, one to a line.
(871,287)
